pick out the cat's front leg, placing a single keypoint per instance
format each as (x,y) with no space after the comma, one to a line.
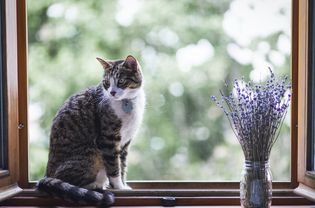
(117,180)
(116,174)
(112,166)
(123,163)
(110,151)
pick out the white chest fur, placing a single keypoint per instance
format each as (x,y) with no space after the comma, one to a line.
(130,120)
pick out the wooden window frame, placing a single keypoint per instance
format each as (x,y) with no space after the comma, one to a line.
(150,192)
(9,177)
(306,179)
(3,129)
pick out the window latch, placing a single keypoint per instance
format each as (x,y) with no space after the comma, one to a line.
(21,126)
(168,201)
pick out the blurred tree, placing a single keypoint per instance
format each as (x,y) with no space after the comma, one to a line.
(187,50)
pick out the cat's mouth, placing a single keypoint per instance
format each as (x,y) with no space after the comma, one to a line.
(116,97)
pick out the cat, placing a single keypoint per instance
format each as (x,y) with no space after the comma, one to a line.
(91,134)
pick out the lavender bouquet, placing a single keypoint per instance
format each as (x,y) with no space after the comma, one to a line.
(256,113)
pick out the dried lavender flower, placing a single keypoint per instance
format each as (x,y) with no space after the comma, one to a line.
(256,113)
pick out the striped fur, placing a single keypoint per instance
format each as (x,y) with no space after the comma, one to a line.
(91,134)
(66,191)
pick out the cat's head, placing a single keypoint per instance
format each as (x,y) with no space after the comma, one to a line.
(122,78)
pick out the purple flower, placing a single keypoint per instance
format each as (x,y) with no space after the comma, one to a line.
(256,113)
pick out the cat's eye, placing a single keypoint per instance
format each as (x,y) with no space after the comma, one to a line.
(121,81)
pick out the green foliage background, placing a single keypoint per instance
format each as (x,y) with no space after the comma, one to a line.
(184,136)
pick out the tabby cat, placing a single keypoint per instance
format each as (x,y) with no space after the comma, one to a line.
(91,133)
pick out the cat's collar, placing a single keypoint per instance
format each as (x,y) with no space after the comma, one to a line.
(127,105)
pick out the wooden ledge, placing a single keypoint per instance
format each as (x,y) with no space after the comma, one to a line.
(159,197)
(305,191)
(9,191)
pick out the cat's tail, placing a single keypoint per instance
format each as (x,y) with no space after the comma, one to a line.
(66,191)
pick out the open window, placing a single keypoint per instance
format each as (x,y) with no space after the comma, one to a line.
(145,192)
(184,136)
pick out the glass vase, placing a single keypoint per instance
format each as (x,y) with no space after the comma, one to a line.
(256,185)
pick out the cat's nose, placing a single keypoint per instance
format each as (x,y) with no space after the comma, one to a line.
(113,93)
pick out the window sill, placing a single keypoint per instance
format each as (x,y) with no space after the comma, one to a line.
(4,173)
(9,191)
(160,197)
(305,191)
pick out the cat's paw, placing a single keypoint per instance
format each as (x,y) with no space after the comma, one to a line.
(126,187)
(120,186)
(116,186)
(117,183)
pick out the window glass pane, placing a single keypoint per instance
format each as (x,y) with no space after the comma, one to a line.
(3,139)
(187,50)
(311,88)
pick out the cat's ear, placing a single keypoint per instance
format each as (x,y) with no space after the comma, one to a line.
(131,63)
(106,64)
